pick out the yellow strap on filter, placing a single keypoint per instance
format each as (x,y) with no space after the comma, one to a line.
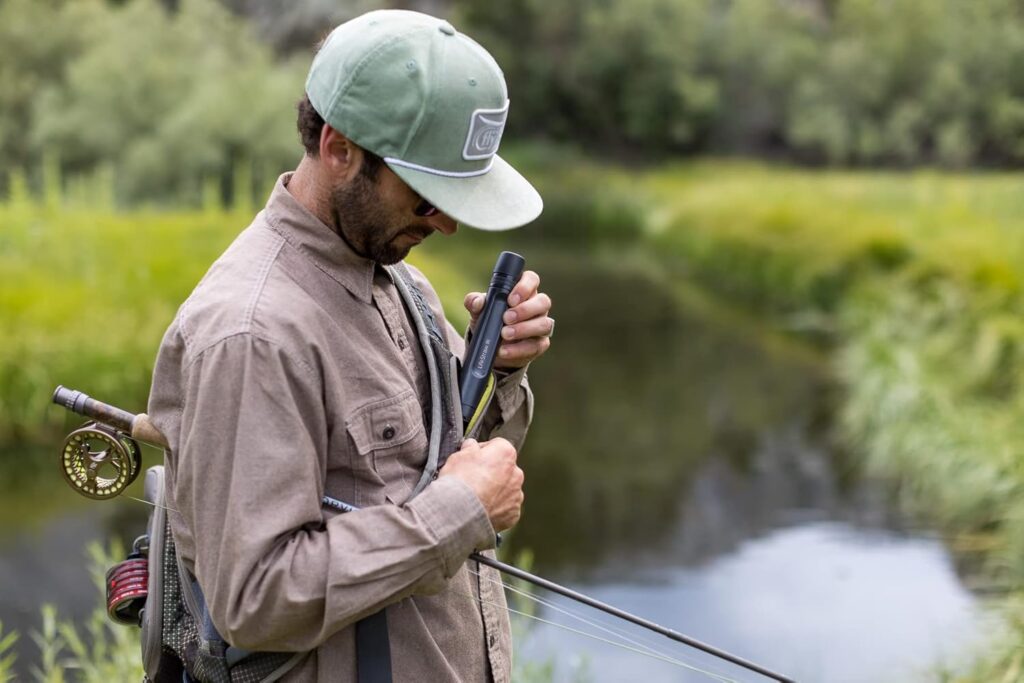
(481,407)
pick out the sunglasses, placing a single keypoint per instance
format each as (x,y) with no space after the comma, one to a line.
(425,209)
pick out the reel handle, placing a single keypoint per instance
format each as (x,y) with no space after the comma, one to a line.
(138,426)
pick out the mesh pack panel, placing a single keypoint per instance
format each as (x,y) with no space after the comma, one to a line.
(205,659)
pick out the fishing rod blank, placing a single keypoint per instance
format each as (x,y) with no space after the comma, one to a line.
(518,573)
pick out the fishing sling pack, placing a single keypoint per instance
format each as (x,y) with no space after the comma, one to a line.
(179,640)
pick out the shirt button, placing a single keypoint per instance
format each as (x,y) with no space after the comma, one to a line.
(388,433)
(491,640)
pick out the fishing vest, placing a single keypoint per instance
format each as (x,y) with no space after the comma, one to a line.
(179,640)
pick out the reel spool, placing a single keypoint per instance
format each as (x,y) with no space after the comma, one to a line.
(128,585)
(100,462)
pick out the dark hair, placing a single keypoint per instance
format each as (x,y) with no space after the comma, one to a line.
(311,126)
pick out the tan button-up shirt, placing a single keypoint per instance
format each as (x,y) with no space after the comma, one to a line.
(294,371)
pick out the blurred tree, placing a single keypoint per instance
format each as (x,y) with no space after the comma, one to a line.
(173,95)
(171,99)
(759,51)
(37,37)
(297,25)
(838,81)
(914,81)
(611,74)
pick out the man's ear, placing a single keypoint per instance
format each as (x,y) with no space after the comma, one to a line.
(339,155)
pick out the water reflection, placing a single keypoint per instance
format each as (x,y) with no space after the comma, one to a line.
(642,401)
(822,602)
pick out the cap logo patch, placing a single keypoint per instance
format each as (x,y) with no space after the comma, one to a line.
(485,129)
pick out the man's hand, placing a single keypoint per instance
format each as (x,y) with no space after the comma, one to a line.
(490,470)
(527,331)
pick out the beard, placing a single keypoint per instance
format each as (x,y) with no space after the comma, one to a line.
(369,227)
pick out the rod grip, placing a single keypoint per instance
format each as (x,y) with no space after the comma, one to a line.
(143,429)
(139,426)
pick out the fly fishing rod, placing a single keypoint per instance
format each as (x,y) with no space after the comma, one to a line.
(105,472)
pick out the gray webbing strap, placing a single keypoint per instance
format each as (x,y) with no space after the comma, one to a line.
(418,311)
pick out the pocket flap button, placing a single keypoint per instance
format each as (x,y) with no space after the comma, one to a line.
(388,433)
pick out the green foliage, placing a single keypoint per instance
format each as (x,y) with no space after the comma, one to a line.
(85,298)
(37,39)
(844,81)
(7,655)
(106,652)
(163,100)
(914,80)
(606,72)
(50,644)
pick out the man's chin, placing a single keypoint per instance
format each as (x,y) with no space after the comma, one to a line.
(392,254)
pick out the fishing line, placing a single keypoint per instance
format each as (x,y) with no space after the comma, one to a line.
(152,504)
(607,628)
(606,641)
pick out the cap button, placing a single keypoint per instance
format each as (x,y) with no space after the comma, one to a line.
(446,28)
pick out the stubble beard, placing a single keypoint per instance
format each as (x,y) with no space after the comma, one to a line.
(363,221)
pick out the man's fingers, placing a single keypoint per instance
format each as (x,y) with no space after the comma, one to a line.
(525,350)
(524,289)
(534,307)
(538,327)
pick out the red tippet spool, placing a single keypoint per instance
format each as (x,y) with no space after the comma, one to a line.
(127,588)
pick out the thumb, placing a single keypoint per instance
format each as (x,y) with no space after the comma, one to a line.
(474,303)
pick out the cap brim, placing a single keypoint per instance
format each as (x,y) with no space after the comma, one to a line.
(500,199)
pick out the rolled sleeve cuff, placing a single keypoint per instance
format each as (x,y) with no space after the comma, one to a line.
(457,519)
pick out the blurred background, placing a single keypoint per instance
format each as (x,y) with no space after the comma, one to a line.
(785,239)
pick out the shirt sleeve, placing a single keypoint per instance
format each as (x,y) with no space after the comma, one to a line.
(249,481)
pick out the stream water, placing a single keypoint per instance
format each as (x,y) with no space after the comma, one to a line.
(683,466)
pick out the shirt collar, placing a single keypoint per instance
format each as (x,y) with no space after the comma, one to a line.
(318,242)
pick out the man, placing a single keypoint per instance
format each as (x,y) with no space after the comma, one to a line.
(295,370)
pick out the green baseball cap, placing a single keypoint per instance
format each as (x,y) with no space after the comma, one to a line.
(433,104)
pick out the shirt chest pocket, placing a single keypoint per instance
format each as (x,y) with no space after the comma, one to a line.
(391,441)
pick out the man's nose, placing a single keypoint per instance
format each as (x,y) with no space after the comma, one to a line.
(443,224)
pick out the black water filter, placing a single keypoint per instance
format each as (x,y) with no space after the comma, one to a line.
(483,347)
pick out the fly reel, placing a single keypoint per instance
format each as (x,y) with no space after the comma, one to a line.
(100,462)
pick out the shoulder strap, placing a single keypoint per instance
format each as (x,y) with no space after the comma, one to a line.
(445,423)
